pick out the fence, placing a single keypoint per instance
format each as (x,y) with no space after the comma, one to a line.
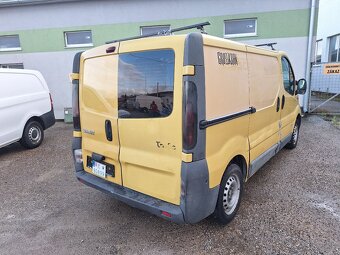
(325,89)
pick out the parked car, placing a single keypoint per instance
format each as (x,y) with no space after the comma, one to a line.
(234,107)
(26,107)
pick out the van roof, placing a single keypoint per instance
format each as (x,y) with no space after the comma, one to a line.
(207,40)
(221,42)
(25,71)
(21,71)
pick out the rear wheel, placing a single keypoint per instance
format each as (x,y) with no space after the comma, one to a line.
(229,197)
(33,135)
(295,136)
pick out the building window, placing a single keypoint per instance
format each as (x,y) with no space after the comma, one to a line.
(154,29)
(78,39)
(334,49)
(318,51)
(13,65)
(9,43)
(240,28)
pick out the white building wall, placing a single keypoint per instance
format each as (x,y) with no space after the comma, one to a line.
(55,66)
(82,13)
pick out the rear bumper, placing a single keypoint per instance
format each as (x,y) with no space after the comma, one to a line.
(132,198)
(197,200)
(48,119)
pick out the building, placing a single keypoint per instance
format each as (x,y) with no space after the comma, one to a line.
(45,35)
(328,32)
(325,72)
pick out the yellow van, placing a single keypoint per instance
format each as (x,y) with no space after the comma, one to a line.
(174,125)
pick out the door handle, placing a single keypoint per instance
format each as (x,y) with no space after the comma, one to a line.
(283,101)
(278,104)
(108,130)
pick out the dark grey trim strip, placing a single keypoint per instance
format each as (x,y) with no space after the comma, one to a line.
(194,55)
(207,123)
(198,201)
(48,119)
(76,62)
(257,163)
(285,140)
(262,159)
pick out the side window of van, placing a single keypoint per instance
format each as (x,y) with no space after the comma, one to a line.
(288,76)
(146,84)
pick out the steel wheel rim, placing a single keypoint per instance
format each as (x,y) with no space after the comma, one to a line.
(295,134)
(34,134)
(231,194)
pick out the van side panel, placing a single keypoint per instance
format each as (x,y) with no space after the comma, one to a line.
(264,80)
(227,93)
(23,95)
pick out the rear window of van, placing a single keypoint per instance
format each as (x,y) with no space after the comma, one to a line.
(146,84)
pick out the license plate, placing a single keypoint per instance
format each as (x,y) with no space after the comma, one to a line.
(99,169)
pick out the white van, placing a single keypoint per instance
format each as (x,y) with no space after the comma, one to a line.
(26,108)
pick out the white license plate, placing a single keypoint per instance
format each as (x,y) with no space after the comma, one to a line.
(99,169)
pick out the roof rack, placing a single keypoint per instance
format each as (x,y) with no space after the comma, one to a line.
(199,26)
(267,44)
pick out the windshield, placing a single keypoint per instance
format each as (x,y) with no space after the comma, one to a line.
(146,84)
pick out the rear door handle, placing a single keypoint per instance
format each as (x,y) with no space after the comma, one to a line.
(278,104)
(108,130)
(283,101)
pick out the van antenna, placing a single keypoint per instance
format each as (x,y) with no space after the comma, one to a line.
(266,44)
(199,26)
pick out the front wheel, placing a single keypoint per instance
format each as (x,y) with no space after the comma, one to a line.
(229,197)
(295,136)
(33,135)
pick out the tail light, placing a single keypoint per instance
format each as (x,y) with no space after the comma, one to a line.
(75,92)
(75,105)
(166,214)
(189,115)
(51,102)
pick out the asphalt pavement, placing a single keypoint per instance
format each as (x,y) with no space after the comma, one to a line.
(290,206)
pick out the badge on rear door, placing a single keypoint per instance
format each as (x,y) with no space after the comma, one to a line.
(87,131)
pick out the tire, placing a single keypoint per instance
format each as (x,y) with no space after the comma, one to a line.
(33,135)
(295,136)
(230,193)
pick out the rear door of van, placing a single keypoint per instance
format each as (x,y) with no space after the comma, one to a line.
(99,115)
(150,116)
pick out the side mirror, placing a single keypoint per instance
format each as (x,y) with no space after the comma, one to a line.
(301,87)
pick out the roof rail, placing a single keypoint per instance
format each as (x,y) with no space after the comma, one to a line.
(267,44)
(199,26)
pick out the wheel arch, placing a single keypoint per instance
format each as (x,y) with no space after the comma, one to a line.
(298,119)
(34,118)
(241,162)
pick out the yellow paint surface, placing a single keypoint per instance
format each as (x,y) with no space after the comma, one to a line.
(247,77)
